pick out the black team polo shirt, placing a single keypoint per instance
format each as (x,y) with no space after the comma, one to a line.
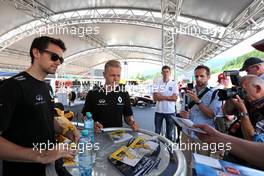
(108,108)
(26,118)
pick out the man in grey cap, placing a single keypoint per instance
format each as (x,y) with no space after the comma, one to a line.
(254,66)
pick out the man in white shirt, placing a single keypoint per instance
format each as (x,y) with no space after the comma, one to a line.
(165,93)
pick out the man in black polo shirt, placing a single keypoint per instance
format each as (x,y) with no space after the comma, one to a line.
(108,104)
(26,114)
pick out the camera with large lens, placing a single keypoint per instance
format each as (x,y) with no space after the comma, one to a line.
(225,94)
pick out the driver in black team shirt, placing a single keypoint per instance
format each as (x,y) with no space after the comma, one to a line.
(108,104)
(26,114)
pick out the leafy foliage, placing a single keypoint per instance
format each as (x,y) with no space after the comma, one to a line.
(141,77)
(238,62)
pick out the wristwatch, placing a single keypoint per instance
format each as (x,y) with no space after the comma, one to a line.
(242,114)
(198,102)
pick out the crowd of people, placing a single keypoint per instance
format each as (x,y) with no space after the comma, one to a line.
(27,111)
(206,107)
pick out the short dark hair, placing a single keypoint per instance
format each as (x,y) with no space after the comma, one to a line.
(207,69)
(165,67)
(41,43)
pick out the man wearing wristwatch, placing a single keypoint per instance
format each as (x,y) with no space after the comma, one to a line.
(252,129)
(201,110)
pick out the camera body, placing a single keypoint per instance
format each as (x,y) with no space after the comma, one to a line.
(234,76)
(225,94)
(190,86)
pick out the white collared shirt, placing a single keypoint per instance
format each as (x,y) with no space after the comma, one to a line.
(166,89)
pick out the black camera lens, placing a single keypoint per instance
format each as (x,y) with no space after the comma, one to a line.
(225,94)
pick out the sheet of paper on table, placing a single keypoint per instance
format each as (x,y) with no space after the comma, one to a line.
(208,161)
(119,136)
(187,123)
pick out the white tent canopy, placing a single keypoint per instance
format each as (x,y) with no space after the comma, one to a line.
(95,31)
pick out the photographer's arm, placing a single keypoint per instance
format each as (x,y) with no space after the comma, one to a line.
(243,149)
(247,128)
(246,125)
(247,150)
(205,109)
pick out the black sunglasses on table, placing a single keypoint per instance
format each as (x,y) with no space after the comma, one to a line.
(53,56)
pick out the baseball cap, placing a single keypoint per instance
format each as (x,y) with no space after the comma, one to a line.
(259,45)
(249,62)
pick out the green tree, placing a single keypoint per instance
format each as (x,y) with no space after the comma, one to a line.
(141,77)
(238,62)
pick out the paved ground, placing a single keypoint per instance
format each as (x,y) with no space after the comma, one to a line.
(144,116)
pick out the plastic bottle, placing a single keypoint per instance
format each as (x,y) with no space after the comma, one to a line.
(89,126)
(85,156)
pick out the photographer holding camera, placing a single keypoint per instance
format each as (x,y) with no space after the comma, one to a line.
(247,103)
(252,124)
(201,109)
(250,114)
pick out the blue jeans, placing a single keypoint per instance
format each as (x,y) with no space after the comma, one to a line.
(169,123)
